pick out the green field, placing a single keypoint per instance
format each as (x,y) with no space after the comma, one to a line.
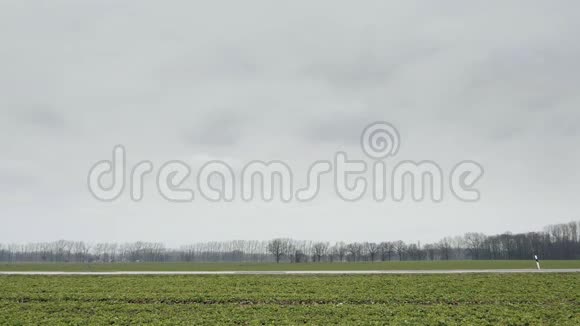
(394,265)
(504,299)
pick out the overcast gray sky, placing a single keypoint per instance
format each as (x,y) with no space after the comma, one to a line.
(495,82)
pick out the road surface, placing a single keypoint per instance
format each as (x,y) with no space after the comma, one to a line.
(462,271)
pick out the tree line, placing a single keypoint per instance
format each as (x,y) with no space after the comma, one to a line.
(558,241)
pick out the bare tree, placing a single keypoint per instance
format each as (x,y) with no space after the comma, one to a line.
(474,243)
(386,249)
(400,248)
(444,247)
(354,249)
(278,247)
(372,249)
(340,250)
(320,249)
(561,241)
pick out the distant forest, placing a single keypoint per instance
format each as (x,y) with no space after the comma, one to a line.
(559,241)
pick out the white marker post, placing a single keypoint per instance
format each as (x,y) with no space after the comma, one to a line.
(537,261)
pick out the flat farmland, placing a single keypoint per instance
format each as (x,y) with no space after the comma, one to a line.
(454,299)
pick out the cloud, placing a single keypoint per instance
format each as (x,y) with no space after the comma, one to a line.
(217,130)
(294,81)
(369,65)
(44,118)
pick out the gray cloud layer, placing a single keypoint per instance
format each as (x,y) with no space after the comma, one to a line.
(494,82)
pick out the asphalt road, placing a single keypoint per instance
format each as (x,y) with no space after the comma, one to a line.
(463,271)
